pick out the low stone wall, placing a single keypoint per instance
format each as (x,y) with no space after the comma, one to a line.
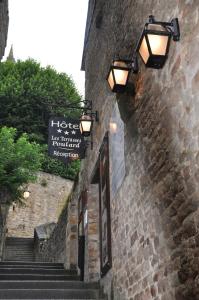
(61,246)
(54,248)
(3,215)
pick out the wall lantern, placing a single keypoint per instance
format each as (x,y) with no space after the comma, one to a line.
(87,118)
(118,75)
(86,123)
(153,48)
(26,194)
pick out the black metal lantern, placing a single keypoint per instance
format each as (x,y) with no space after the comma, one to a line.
(86,123)
(154,43)
(118,75)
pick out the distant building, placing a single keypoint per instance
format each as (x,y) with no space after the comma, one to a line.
(4,20)
(11,55)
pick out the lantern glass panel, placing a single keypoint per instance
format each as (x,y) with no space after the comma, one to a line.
(111,80)
(121,75)
(144,52)
(158,43)
(85,125)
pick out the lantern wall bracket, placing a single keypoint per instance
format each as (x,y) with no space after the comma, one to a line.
(89,142)
(88,109)
(172,26)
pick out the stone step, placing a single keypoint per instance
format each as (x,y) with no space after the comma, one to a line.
(19,245)
(19,253)
(28,259)
(18,258)
(10,248)
(25,277)
(19,249)
(37,271)
(29,265)
(21,263)
(48,294)
(34,284)
(19,239)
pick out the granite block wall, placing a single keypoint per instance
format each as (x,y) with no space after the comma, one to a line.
(62,244)
(44,205)
(154,213)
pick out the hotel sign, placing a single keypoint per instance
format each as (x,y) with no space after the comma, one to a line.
(65,141)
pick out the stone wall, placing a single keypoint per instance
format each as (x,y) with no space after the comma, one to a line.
(53,248)
(4,18)
(92,261)
(3,215)
(62,244)
(154,214)
(44,205)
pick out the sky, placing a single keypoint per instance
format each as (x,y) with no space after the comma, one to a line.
(51,32)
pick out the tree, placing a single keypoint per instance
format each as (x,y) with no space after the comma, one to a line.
(19,162)
(29,96)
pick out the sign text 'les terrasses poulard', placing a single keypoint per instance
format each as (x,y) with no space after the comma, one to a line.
(65,141)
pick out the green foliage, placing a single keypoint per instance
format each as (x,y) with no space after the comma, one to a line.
(20,160)
(56,167)
(29,96)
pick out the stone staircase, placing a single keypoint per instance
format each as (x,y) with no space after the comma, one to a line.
(17,249)
(34,280)
(40,280)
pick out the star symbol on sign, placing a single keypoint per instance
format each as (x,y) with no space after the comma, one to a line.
(73,131)
(66,132)
(59,130)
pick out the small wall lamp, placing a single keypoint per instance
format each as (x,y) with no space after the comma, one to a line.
(86,121)
(118,75)
(153,48)
(87,118)
(26,194)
